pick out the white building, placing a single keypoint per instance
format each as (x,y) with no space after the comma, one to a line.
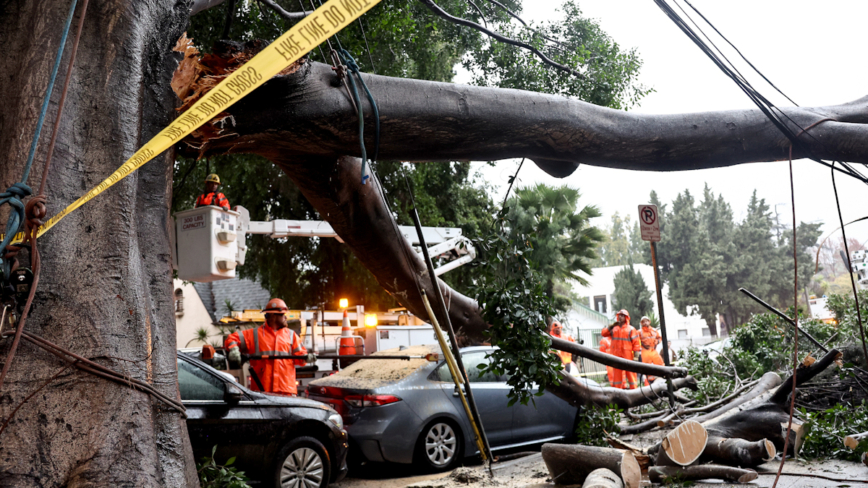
(681,331)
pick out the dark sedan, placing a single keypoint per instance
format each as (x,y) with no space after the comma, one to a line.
(277,440)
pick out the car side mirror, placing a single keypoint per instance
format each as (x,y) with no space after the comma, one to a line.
(232,394)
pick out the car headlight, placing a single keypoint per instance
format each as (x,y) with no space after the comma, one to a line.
(337,420)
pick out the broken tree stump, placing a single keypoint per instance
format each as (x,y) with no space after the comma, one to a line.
(571,464)
(852,440)
(661,474)
(737,452)
(683,445)
(602,478)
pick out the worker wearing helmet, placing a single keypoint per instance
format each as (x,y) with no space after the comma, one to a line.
(272,339)
(625,344)
(650,339)
(606,347)
(211,196)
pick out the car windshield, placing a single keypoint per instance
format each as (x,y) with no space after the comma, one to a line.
(197,384)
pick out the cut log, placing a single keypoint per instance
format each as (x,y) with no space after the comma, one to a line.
(797,436)
(682,446)
(602,478)
(852,440)
(662,474)
(766,383)
(571,465)
(738,452)
(618,362)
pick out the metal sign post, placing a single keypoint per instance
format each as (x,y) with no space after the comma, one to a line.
(649,228)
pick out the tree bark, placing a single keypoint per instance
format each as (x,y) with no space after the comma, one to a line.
(766,383)
(571,464)
(105,288)
(578,393)
(659,474)
(618,362)
(302,114)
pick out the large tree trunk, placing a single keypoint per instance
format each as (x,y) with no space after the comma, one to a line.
(105,290)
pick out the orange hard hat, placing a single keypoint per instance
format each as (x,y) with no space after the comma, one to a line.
(624,312)
(275,305)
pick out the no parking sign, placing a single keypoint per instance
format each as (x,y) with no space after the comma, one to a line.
(649,223)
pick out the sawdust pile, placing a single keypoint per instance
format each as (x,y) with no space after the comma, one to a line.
(374,373)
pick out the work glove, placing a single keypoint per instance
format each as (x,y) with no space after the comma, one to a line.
(235,356)
(311,357)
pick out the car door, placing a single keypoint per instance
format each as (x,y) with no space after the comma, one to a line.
(490,394)
(235,428)
(546,417)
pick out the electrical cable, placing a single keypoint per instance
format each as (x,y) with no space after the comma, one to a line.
(795,328)
(850,269)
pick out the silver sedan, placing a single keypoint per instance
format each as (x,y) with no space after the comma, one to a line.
(417,416)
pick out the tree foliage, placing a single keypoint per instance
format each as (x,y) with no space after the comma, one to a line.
(562,241)
(622,243)
(632,294)
(706,256)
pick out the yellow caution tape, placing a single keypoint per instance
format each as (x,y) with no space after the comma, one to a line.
(308,33)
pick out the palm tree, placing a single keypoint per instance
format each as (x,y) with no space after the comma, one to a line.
(563,241)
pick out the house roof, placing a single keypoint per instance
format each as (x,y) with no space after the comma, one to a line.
(241,294)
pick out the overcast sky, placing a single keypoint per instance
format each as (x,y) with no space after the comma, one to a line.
(813,51)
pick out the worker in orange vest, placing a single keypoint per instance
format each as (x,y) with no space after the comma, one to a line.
(211,196)
(650,339)
(625,344)
(557,330)
(606,347)
(273,338)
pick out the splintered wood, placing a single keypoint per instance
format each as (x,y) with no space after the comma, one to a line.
(683,445)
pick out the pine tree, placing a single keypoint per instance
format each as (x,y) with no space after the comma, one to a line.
(631,293)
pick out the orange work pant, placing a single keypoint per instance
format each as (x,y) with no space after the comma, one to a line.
(651,356)
(624,379)
(610,373)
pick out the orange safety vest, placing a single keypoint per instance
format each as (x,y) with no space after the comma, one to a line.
(214,198)
(276,375)
(625,340)
(605,345)
(649,337)
(564,355)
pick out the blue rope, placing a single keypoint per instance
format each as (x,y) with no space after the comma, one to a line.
(354,68)
(13,195)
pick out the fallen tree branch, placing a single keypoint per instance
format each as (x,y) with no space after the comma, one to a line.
(643,426)
(657,414)
(578,393)
(803,375)
(766,383)
(661,474)
(283,13)
(616,362)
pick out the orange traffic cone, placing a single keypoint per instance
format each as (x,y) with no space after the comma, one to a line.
(347,343)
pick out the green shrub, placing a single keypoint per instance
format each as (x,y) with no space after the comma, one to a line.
(213,475)
(826,430)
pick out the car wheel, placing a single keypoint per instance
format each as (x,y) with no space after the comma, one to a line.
(439,445)
(302,463)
